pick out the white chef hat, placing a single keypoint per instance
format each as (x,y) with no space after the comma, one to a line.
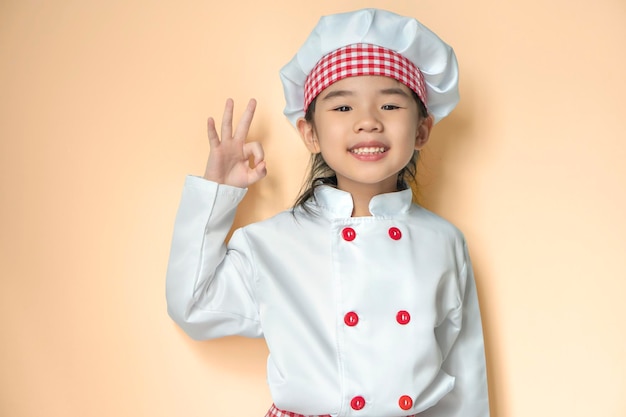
(409,51)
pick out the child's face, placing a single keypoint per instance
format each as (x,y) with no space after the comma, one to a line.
(366,128)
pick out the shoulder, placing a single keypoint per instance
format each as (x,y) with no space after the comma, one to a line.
(428,221)
(280,222)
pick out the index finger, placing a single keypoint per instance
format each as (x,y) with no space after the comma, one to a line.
(246,120)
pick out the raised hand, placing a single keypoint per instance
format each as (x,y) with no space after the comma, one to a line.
(229,157)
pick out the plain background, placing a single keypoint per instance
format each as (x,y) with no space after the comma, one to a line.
(102,114)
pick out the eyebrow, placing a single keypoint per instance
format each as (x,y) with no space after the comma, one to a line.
(385,91)
(337,93)
(393,91)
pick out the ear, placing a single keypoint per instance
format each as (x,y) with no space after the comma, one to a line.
(308,136)
(423,132)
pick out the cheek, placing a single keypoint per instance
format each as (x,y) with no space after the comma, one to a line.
(331,136)
(330,154)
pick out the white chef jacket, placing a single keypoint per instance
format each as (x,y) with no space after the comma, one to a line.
(363,316)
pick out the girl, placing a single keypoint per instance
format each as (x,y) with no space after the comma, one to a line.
(367,302)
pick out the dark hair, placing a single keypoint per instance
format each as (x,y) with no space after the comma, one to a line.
(321,174)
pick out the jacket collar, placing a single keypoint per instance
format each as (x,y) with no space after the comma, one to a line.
(335,203)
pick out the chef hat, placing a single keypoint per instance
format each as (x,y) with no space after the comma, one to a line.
(400,47)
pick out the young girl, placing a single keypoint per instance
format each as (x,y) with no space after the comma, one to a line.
(367,302)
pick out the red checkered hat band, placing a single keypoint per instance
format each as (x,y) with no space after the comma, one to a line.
(362,59)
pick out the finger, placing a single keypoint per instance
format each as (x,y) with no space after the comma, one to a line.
(257,173)
(254,150)
(214,139)
(227,120)
(243,127)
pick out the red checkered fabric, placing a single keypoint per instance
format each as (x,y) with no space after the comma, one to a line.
(362,59)
(276,412)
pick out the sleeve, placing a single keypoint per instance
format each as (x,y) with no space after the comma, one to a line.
(461,340)
(209,287)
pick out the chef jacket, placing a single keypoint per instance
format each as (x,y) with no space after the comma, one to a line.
(363,316)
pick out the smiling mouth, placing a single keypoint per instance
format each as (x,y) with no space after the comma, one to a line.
(369,150)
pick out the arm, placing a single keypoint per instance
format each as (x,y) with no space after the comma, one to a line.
(210,288)
(461,340)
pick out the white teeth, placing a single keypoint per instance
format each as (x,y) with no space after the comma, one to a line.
(362,151)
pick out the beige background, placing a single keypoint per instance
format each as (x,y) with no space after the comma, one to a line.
(102,113)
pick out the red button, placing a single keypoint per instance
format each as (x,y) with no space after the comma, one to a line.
(395,233)
(357,403)
(351,319)
(348,234)
(405,402)
(403,317)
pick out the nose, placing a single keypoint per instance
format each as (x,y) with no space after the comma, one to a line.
(368,121)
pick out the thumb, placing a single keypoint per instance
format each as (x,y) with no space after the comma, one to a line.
(258,170)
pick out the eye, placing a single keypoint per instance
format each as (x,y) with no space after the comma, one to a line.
(343,108)
(389,107)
